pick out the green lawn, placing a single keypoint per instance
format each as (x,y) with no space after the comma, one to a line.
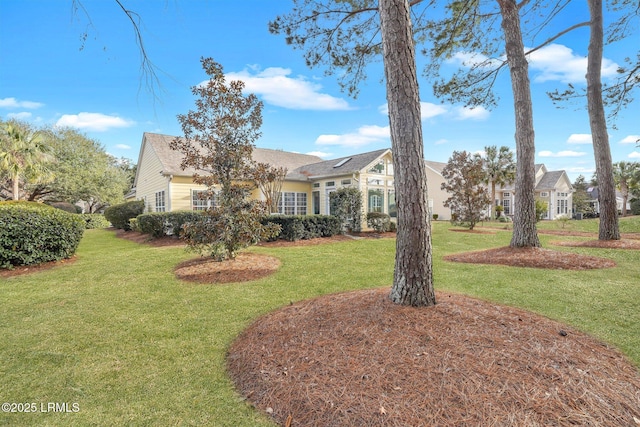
(117,334)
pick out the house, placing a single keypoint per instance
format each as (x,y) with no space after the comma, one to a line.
(552,187)
(437,196)
(592,193)
(164,186)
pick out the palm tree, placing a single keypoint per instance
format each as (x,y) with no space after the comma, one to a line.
(499,168)
(624,174)
(23,153)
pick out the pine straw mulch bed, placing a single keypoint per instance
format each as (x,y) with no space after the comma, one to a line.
(245,267)
(532,257)
(356,359)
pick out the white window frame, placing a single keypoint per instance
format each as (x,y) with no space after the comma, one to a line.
(198,204)
(506,204)
(292,203)
(375,202)
(161,203)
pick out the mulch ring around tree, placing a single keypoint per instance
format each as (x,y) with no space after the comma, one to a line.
(603,244)
(357,359)
(532,257)
(245,267)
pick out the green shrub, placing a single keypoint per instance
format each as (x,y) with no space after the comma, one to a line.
(33,233)
(151,223)
(133,225)
(93,221)
(223,231)
(435,217)
(379,221)
(159,224)
(541,209)
(119,215)
(177,219)
(635,206)
(302,227)
(346,204)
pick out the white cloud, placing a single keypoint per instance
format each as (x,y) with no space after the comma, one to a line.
(441,141)
(14,103)
(631,139)
(580,170)
(20,116)
(276,87)
(557,62)
(470,59)
(319,154)
(580,138)
(634,155)
(96,122)
(476,113)
(123,146)
(427,110)
(566,153)
(365,135)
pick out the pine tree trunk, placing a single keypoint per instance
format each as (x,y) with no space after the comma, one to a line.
(413,276)
(608,229)
(525,233)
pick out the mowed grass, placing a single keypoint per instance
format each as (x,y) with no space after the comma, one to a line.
(117,334)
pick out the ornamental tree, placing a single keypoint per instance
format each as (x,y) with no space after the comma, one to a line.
(464,175)
(218,143)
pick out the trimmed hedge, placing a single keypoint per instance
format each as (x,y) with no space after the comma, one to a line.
(95,221)
(33,233)
(301,227)
(159,224)
(379,221)
(119,215)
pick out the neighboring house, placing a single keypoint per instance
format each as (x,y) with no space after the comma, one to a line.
(553,187)
(164,186)
(437,196)
(592,192)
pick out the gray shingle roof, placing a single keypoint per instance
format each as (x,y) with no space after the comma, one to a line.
(171,159)
(436,166)
(549,180)
(341,166)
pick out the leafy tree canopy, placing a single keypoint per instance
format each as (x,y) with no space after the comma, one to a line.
(464,175)
(218,141)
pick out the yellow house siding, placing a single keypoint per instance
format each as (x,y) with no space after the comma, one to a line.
(297,187)
(150,180)
(181,188)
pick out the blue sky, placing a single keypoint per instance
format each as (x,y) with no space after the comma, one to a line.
(49,75)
